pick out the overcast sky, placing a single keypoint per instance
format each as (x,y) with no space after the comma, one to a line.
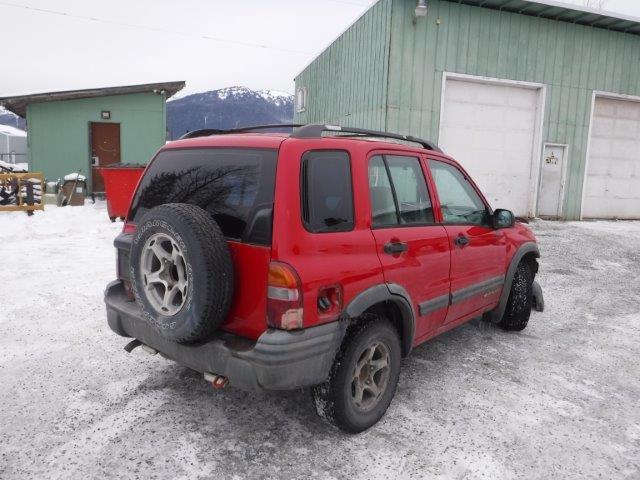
(261,44)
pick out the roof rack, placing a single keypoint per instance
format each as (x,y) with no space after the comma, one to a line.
(316,130)
(214,131)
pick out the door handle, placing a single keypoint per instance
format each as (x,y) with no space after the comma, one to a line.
(461,241)
(394,248)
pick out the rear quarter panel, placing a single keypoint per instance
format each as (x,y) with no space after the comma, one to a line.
(247,316)
(324,259)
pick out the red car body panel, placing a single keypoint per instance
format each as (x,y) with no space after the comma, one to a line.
(323,259)
(250,265)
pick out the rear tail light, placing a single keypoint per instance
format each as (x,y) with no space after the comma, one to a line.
(129,228)
(284,297)
(122,262)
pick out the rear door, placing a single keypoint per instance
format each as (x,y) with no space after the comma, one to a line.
(478,251)
(413,249)
(236,187)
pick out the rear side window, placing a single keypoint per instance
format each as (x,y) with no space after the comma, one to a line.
(236,186)
(399,194)
(327,194)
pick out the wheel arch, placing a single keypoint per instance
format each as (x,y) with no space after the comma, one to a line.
(392,300)
(527,252)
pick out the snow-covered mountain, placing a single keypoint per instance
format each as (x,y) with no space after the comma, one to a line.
(8,118)
(230,107)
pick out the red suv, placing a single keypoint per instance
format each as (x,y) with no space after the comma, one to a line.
(279,261)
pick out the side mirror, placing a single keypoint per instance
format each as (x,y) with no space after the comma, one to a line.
(503,218)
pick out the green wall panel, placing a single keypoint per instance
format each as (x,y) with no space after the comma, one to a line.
(402,92)
(347,83)
(59,131)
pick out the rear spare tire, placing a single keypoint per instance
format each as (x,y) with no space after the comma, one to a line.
(181,272)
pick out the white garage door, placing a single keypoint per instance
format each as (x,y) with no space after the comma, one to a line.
(612,185)
(490,129)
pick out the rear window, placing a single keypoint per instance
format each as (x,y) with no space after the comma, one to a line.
(236,186)
(327,198)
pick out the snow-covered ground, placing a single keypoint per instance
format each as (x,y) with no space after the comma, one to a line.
(559,400)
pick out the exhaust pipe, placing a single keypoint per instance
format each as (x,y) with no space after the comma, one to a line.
(149,350)
(217,381)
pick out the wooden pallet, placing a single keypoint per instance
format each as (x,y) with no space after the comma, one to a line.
(20,179)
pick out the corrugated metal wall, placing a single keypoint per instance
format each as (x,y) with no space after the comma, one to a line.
(571,60)
(347,83)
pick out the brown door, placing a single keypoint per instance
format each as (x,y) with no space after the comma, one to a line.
(105,150)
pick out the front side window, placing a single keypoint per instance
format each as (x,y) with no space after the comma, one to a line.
(327,194)
(398,190)
(459,201)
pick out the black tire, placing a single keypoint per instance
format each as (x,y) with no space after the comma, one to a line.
(207,270)
(334,399)
(516,315)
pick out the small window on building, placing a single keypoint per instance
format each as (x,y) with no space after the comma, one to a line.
(327,194)
(301,99)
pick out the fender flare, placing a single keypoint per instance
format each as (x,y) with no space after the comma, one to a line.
(524,249)
(387,292)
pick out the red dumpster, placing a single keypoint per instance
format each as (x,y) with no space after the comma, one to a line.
(120,181)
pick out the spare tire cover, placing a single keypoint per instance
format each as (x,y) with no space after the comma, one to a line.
(181,272)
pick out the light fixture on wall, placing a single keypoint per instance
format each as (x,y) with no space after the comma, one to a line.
(420,11)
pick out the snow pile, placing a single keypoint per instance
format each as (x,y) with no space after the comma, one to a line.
(74,176)
(17,168)
(12,131)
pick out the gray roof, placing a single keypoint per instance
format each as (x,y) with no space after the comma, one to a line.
(18,104)
(564,12)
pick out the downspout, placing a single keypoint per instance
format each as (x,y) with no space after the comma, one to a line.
(388,67)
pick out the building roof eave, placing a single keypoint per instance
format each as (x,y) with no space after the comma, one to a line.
(18,104)
(563,12)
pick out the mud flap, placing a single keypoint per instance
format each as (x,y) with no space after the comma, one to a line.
(538,299)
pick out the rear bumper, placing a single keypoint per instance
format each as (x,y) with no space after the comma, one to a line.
(278,360)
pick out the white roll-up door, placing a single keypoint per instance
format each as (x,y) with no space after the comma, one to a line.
(612,183)
(491,130)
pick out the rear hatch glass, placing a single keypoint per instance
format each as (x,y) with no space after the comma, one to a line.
(235,185)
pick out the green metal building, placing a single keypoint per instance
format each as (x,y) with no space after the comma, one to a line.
(81,130)
(539,100)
